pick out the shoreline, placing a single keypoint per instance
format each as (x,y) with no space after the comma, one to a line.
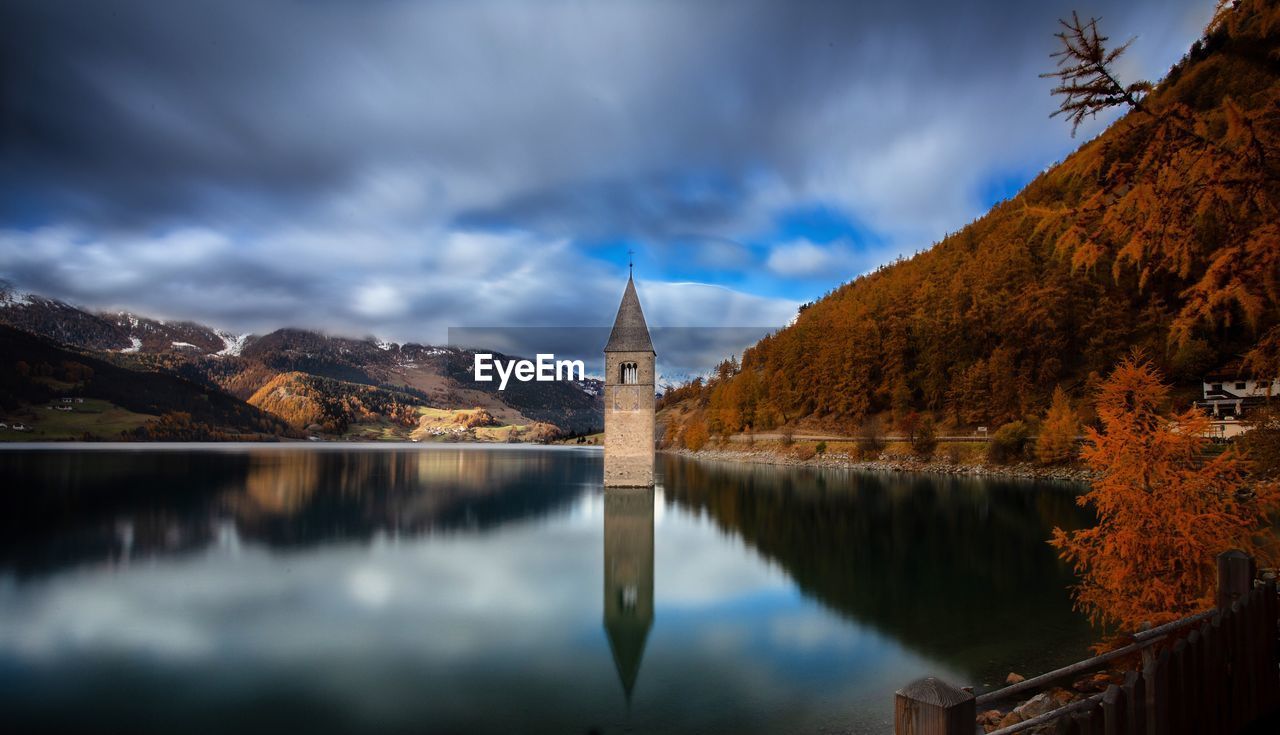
(831,460)
(273,445)
(1019,471)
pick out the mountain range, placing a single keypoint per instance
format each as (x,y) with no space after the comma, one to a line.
(288,383)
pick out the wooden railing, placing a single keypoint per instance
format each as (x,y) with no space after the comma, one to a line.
(1217,678)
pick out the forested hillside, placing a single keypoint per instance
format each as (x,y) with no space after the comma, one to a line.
(330,405)
(1162,233)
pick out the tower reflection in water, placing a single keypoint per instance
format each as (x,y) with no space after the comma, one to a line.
(628,577)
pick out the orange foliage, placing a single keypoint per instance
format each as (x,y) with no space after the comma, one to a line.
(1165,507)
(305,400)
(694,435)
(475,418)
(1057,440)
(672,395)
(1197,203)
(1160,233)
(805,452)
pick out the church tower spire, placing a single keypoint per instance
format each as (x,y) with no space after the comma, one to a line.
(629,410)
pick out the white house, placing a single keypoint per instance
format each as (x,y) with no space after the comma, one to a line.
(1227,399)
(1230,397)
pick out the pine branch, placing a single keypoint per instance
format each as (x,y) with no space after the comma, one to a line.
(1086,83)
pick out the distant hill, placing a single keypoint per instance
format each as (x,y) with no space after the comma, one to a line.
(332,405)
(62,394)
(1163,233)
(352,381)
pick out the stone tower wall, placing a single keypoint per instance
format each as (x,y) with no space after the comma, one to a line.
(629,421)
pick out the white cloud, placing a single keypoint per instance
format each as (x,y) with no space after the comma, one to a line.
(378,301)
(400,168)
(802,258)
(686,304)
(407,287)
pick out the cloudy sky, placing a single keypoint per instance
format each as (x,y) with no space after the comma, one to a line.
(398,168)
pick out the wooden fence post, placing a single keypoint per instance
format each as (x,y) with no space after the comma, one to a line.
(1115,711)
(1088,721)
(1135,694)
(931,706)
(1236,571)
(1270,610)
(1235,664)
(1252,650)
(1148,697)
(1178,699)
(1216,679)
(1157,677)
(1185,694)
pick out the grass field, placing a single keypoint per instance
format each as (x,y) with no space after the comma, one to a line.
(379,431)
(97,418)
(447,424)
(497,433)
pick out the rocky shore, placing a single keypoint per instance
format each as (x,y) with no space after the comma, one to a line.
(889,463)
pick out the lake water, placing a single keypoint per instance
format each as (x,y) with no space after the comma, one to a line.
(332,588)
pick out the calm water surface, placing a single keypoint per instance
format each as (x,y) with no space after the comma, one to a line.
(500,589)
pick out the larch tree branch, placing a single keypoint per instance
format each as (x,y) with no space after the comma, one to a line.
(1085,80)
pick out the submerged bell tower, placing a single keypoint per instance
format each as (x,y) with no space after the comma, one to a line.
(629,397)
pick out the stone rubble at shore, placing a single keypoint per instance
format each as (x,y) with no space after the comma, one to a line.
(886,463)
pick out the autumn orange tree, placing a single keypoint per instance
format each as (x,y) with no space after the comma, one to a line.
(1056,442)
(694,435)
(1262,441)
(1165,506)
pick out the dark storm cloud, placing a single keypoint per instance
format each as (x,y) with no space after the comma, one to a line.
(565,112)
(378,166)
(645,205)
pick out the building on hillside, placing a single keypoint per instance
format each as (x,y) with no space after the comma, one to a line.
(629,403)
(1227,399)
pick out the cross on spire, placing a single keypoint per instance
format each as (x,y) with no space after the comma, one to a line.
(631,266)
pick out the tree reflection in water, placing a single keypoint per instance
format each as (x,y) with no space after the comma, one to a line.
(947,565)
(72,507)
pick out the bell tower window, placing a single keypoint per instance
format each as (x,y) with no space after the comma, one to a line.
(628,374)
